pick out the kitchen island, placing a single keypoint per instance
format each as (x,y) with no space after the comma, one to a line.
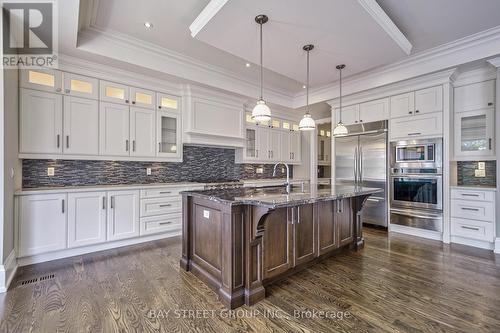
(240,240)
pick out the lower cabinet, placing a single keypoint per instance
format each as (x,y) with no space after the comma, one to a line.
(343,219)
(327,231)
(42,224)
(422,125)
(123,214)
(86,218)
(277,242)
(304,238)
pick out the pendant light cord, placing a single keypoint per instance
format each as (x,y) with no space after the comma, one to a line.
(261,68)
(307,87)
(340,113)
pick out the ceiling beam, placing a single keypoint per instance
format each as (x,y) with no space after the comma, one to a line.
(206,15)
(378,14)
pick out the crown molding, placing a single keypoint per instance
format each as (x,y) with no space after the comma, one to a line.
(206,15)
(484,73)
(495,62)
(378,14)
(478,46)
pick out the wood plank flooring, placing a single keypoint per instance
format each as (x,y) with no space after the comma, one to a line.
(395,284)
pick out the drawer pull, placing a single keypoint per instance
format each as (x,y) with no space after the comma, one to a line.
(166,205)
(416,133)
(470,228)
(470,195)
(473,209)
(166,192)
(163,223)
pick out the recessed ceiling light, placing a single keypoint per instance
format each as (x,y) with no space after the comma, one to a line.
(303,86)
(148,25)
(247,64)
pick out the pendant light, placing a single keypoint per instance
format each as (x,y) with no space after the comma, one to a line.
(307,123)
(261,112)
(340,129)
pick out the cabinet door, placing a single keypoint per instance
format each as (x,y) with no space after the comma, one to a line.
(350,114)
(402,105)
(114,129)
(374,110)
(114,92)
(474,96)
(81,126)
(143,98)
(327,231)
(275,145)
(168,102)
(263,134)
(343,220)
(277,242)
(252,144)
(422,125)
(81,86)
(474,133)
(168,134)
(142,132)
(304,234)
(429,100)
(86,218)
(42,224)
(41,79)
(295,147)
(285,150)
(40,122)
(123,214)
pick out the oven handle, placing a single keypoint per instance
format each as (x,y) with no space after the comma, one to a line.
(412,214)
(424,175)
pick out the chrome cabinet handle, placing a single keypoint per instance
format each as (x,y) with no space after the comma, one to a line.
(126,145)
(472,209)
(103,202)
(63,205)
(67,141)
(470,228)
(410,112)
(416,133)
(490,103)
(489,143)
(112,202)
(470,195)
(159,147)
(163,223)
(133,145)
(166,192)
(256,153)
(165,205)
(58,140)
(417,111)
(298,215)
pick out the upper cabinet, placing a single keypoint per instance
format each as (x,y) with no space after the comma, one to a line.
(429,100)
(81,86)
(365,112)
(350,114)
(42,79)
(402,105)
(167,102)
(142,98)
(168,135)
(114,92)
(475,96)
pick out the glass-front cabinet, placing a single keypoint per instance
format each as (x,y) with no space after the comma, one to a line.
(81,86)
(42,79)
(167,102)
(168,134)
(474,133)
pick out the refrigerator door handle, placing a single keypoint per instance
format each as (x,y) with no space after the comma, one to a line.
(360,164)
(355,164)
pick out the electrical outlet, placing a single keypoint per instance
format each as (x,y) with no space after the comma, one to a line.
(282,169)
(50,171)
(481,165)
(259,170)
(148,171)
(479,173)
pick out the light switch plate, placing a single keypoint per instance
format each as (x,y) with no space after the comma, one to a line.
(148,171)
(481,165)
(50,171)
(259,170)
(479,173)
(206,214)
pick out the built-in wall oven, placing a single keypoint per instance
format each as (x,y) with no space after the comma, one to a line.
(416,182)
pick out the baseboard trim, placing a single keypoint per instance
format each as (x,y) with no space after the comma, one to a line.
(497,245)
(39,258)
(429,234)
(473,242)
(7,271)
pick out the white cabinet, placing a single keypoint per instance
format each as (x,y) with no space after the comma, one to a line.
(114,129)
(42,224)
(168,102)
(324,150)
(168,134)
(475,133)
(350,114)
(270,144)
(142,132)
(422,125)
(295,147)
(285,150)
(40,122)
(474,96)
(142,97)
(123,215)
(402,105)
(42,79)
(374,110)
(429,100)
(252,144)
(86,218)
(114,92)
(81,126)
(81,86)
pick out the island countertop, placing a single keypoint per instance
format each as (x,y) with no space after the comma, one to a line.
(276,197)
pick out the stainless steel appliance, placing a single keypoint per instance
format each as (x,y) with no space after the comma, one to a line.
(416,182)
(361,158)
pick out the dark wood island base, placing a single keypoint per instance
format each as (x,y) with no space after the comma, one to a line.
(238,249)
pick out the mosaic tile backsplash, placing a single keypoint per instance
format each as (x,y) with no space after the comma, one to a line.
(200,164)
(465,173)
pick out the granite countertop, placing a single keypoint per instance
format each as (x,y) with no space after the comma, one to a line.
(278,197)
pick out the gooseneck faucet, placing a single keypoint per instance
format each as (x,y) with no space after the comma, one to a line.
(288,186)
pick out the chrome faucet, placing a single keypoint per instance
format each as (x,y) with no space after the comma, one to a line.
(287,184)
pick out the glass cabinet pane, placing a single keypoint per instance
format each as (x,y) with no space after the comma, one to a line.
(248,117)
(251,143)
(286,125)
(474,136)
(168,138)
(275,123)
(81,86)
(41,78)
(168,103)
(143,98)
(295,127)
(115,92)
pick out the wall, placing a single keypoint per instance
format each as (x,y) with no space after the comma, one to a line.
(200,164)
(11,162)
(465,173)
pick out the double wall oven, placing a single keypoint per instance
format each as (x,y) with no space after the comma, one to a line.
(416,182)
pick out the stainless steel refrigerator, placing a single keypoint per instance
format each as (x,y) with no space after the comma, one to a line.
(361,158)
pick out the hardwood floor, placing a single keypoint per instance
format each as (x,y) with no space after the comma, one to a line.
(395,284)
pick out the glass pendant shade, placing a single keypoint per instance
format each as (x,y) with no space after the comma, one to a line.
(340,130)
(261,111)
(307,123)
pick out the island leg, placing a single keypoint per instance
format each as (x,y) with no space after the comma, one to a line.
(186,211)
(358,203)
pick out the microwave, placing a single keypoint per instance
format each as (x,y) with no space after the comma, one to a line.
(422,152)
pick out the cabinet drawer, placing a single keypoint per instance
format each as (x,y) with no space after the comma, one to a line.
(161,223)
(159,206)
(161,192)
(473,229)
(473,195)
(475,210)
(416,126)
